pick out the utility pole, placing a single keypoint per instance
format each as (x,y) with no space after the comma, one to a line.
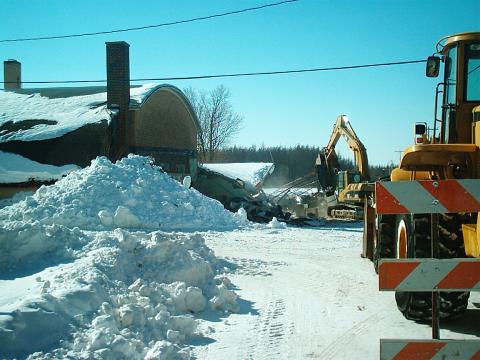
(399,155)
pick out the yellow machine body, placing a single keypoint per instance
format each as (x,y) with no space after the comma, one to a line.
(452,150)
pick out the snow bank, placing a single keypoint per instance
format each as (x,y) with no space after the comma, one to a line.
(120,295)
(252,173)
(83,274)
(16,169)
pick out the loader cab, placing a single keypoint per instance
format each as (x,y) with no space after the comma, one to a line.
(459,93)
(452,147)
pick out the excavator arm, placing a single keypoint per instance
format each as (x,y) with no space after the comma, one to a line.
(327,164)
(344,128)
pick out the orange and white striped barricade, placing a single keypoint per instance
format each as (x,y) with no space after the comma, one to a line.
(427,196)
(434,275)
(429,275)
(429,349)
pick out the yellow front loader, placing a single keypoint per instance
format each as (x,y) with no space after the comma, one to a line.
(447,149)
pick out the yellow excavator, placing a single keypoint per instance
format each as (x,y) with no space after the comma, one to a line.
(349,188)
(449,149)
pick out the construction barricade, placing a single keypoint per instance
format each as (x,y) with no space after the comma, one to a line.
(429,274)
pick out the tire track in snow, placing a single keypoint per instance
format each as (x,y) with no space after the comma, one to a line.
(270,332)
(345,340)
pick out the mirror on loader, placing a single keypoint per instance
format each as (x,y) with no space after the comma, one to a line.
(421,133)
(433,66)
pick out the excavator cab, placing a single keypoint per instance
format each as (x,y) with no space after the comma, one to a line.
(346,177)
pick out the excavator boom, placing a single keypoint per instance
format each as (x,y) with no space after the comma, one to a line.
(343,128)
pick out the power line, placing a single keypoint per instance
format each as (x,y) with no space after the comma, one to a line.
(197,77)
(234,12)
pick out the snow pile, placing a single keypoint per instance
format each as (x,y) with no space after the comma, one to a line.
(129,194)
(121,294)
(241,216)
(252,173)
(16,169)
(77,284)
(275,224)
(19,196)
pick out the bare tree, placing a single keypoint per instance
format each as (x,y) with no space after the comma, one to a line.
(218,121)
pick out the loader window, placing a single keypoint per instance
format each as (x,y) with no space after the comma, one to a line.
(449,102)
(473,72)
(451,75)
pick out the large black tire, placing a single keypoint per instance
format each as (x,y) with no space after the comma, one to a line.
(418,305)
(385,246)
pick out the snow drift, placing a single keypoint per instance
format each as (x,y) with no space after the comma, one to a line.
(88,269)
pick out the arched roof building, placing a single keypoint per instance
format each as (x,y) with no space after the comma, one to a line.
(64,126)
(165,127)
(72,125)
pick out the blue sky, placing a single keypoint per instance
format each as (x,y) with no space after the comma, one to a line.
(382,103)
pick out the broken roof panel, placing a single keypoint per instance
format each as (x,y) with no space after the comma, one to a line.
(252,173)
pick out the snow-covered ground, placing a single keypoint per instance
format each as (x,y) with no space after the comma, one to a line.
(307,294)
(121,261)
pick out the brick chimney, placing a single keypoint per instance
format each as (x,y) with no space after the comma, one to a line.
(118,96)
(118,74)
(12,74)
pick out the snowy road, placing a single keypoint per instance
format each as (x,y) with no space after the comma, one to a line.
(307,294)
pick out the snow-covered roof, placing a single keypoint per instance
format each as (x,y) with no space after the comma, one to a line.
(35,117)
(252,173)
(17,169)
(40,114)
